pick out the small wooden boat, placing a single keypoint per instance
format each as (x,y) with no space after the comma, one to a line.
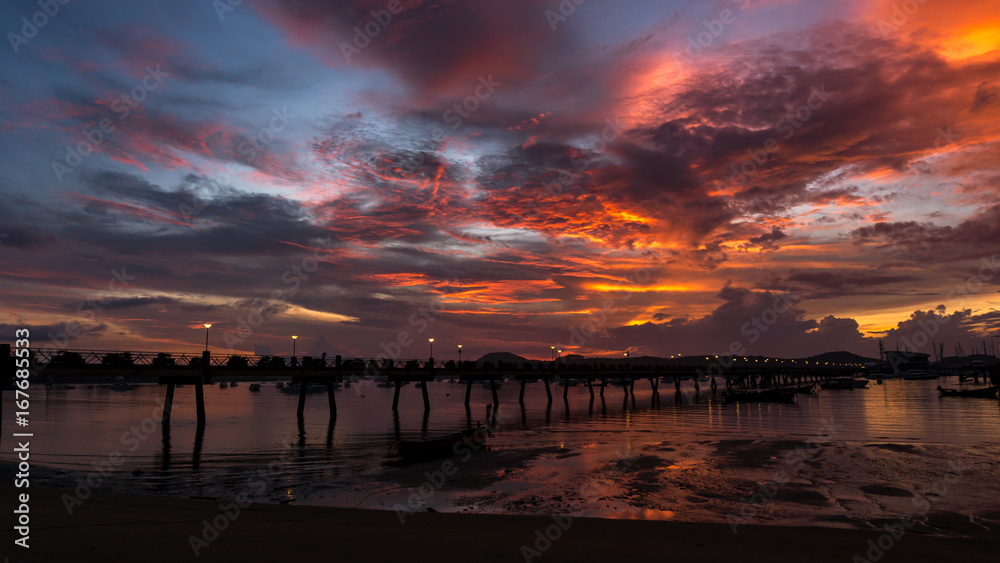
(806,389)
(983,393)
(919,374)
(440,446)
(255,387)
(279,384)
(123,386)
(233,384)
(844,383)
(763,396)
(223,385)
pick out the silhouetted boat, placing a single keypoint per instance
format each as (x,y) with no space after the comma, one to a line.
(811,388)
(255,387)
(223,385)
(122,386)
(844,383)
(918,374)
(983,393)
(763,396)
(440,446)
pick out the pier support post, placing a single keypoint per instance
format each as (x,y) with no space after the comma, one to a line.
(427,401)
(677,383)
(520,398)
(468,390)
(302,399)
(548,391)
(493,388)
(604,383)
(654,382)
(168,404)
(590,387)
(199,396)
(331,398)
(395,396)
(624,386)
(565,387)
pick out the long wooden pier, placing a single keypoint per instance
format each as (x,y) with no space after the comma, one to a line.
(199,369)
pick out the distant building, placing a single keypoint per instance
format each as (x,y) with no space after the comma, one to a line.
(905,361)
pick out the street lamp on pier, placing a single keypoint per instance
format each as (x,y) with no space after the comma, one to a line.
(431,340)
(459,355)
(207,326)
(294,338)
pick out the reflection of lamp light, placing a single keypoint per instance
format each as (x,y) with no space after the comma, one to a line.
(207,326)
(294,338)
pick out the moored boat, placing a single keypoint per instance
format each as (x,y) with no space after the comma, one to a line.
(440,446)
(982,393)
(806,389)
(844,383)
(763,396)
(919,374)
(255,387)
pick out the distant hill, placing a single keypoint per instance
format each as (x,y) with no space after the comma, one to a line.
(505,357)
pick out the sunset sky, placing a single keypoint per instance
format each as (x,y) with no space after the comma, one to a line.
(497,174)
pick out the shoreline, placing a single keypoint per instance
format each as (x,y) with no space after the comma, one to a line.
(151,528)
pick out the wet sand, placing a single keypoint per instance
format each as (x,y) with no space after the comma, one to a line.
(146,528)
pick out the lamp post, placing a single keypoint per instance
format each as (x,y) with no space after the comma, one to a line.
(552,356)
(459,355)
(431,340)
(207,326)
(294,338)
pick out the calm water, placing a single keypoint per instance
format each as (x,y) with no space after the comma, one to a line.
(535,450)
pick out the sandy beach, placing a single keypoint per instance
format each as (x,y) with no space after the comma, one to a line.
(147,528)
